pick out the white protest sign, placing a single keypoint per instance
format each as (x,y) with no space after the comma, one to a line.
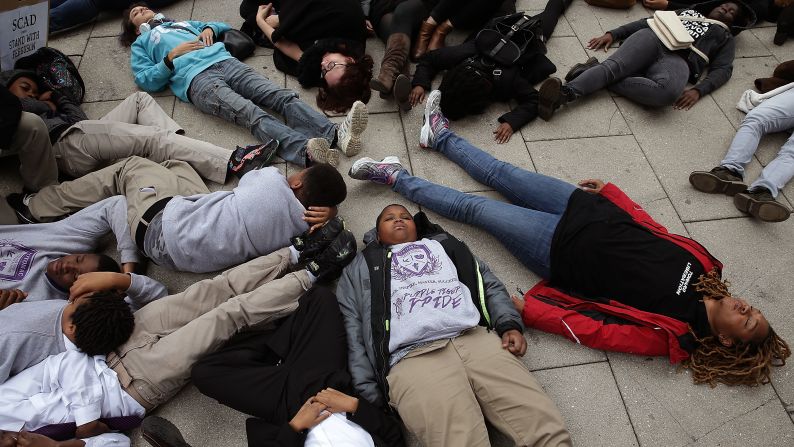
(23,29)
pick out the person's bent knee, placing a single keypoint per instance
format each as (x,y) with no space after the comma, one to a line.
(29,124)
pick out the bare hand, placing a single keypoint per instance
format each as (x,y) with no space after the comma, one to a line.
(370,28)
(8,438)
(184,48)
(207,36)
(309,415)
(46,98)
(263,12)
(90,283)
(655,4)
(273,21)
(317,216)
(91,429)
(687,99)
(417,95)
(337,401)
(596,43)
(514,342)
(11,296)
(503,133)
(27,439)
(591,185)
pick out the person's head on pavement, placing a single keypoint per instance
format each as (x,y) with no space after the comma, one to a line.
(63,272)
(99,323)
(318,185)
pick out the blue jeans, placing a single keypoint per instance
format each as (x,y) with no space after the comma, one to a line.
(233,91)
(776,114)
(525,226)
(641,69)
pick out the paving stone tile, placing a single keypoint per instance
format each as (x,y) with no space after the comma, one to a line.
(765,425)
(666,408)
(783,53)
(106,71)
(202,420)
(748,45)
(563,28)
(215,11)
(109,22)
(758,259)
(588,21)
(71,43)
(96,110)
(679,142)
(590,403)
(745,71)
(478,129)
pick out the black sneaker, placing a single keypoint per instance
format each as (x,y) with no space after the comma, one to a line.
(18,202)
(719,180)
(246,159)
(578,69)
(761,205)
(312,244)
(328,265)
(160,432)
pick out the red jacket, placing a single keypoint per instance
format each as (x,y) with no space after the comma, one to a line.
(614,326)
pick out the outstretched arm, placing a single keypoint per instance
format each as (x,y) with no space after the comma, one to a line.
(289,48)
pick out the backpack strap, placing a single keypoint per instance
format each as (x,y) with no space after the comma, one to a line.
(520,24)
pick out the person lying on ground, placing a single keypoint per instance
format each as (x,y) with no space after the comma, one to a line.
(643,70)
(597,244)
(179,224)
(186,56)
(137,126)
(432,332)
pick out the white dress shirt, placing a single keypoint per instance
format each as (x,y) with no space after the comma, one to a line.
(337,431)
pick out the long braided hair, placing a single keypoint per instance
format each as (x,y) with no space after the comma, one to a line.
(740,364)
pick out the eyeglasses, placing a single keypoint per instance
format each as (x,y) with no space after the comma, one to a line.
(330,66)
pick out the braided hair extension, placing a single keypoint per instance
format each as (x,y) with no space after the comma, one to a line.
(103,323)
(741,364)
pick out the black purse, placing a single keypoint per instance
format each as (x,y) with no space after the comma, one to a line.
(239,44)
(506,38)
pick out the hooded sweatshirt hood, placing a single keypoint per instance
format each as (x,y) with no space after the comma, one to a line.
(9,76)
(748,19)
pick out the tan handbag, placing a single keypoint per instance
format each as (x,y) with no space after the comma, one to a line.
(670,30)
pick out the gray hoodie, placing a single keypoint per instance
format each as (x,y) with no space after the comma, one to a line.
(29,332)
(25,251)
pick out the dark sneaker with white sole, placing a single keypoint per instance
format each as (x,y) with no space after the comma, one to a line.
(160,432)
(249,158)
(719,180)
(760,204)
(309,245)
(328,265)
(19,203)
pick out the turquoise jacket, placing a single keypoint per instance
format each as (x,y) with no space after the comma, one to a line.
(149,50)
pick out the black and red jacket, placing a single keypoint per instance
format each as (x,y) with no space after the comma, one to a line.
(611,325)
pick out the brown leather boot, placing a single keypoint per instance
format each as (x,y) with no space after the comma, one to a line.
(394,59)
(437,41)
(422,40)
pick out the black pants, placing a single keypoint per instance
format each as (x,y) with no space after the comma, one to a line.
(468,14)
(270,374)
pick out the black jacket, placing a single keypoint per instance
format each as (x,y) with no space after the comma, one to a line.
(718,44)
(515,82)
(10,113)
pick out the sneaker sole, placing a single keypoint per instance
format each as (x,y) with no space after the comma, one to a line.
(358,124)
(571,75)
(761,210)
(548,95)
(322,153)
(711,184)
(424,134)
(401,90)
(378,86)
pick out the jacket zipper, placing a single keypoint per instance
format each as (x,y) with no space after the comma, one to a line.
(386,305)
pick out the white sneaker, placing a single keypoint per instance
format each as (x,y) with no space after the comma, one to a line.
(348,134)
(433,120)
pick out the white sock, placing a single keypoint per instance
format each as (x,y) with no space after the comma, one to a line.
(312,278)
(294,255)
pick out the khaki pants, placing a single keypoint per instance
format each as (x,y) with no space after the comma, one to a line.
(143,182)
(174,332)
(443,390)
(137,126)
(36,160)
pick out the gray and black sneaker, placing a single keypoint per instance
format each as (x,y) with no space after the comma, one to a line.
(719,180)
(249,158)
(384,172)
(19,203)
(309,245)
(328,265)
(759,203)
(160,432)
(578,69)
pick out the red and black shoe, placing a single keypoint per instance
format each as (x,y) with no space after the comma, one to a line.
(246,159)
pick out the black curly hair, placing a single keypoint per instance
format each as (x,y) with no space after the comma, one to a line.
(102,323)
(466,91)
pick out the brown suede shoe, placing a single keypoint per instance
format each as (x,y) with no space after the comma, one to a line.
(422,40)
(160,432)
(760,204)
(719,180)
(394,59)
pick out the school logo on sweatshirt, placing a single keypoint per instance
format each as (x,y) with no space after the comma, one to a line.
(414,260)
(15,260)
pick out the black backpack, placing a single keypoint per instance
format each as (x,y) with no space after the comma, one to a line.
(56,71)
(505,39)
